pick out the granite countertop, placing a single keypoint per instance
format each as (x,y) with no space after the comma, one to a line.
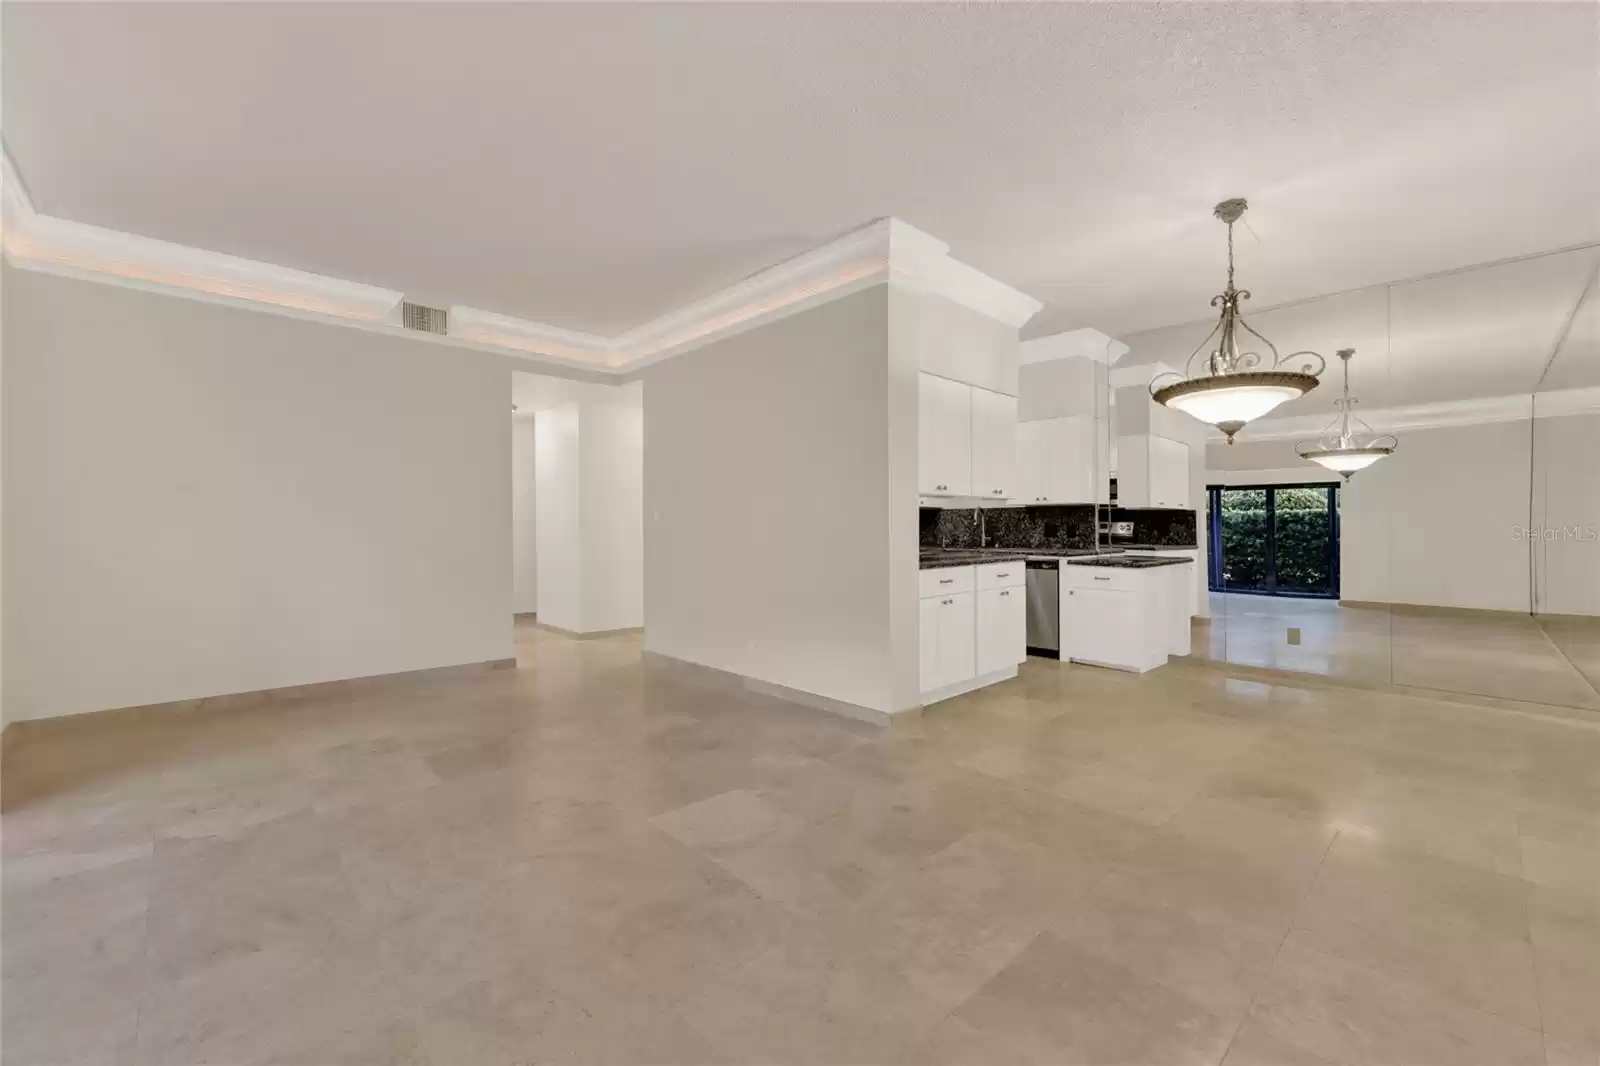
(934,558)
(968,557)
(1072,553)
(1132,562)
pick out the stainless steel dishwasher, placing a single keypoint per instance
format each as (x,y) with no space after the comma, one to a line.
(1044,608)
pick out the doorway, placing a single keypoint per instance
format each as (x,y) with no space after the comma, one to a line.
(1275,540)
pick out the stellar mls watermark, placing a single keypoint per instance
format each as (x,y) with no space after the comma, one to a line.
(1580,534)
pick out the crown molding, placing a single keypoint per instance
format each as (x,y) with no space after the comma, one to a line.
(1088,344)
(1474,412)
(53,245)
(1122,377)
(924,263)
(860,257)
(883,250)
(533,338)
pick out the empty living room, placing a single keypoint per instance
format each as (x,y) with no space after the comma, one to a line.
(833,534)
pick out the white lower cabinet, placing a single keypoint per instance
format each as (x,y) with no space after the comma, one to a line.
(1194,578)
(1131,619)
(958,632)
(1002,629)
(1102,625)
(929,644)
(948,637)
(973,623)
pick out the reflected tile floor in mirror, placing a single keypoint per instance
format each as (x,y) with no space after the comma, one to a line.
(1503,656)
(601,858)
(1578,638)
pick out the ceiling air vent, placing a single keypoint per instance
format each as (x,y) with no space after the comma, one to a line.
(423,319)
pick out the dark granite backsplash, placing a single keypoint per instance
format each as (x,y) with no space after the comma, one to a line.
(1048,528)
(1168,529)
(948,527)
(1041,528)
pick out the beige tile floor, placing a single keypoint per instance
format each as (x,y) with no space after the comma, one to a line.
(1502,656)
(598,859)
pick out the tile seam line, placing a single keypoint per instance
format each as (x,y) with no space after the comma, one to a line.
(1250,1007)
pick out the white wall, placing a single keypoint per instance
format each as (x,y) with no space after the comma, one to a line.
(589,465)
(201,499)
(557,519)
(611,458)
(524,509)
(780,502)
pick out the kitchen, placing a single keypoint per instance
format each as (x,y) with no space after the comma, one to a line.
(1034,540)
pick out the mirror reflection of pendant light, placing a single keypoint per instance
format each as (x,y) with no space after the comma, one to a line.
(1343,446)
(1235,387)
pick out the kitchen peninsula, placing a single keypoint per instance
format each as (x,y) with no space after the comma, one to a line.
(1125,611)
(1121,606)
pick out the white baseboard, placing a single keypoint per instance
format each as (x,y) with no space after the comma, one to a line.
(812,700)
(970,685)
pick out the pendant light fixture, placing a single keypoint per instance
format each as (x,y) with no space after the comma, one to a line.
(1348,444)
(1237,386)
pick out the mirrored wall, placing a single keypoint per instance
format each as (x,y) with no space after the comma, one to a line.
(1469,560)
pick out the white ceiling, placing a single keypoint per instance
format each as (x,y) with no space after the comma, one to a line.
(592,166)
(1471,334)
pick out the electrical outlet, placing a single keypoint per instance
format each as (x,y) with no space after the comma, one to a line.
(1294,634)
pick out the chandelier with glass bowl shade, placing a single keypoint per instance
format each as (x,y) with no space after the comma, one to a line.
(1237,384)
(1348,444)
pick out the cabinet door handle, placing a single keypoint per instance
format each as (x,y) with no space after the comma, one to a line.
(1005,592)
(947,581)
(948,602)
(1002,575)
(1099,578)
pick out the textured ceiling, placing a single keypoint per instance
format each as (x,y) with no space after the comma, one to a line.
(592,166)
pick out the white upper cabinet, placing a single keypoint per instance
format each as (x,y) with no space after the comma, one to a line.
(1056,460)
(994,445)
(966,440)
(964,345)
(1152,472)
(1033,478)
(944,437)
(1169,473)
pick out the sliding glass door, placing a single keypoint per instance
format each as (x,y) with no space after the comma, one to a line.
(1246,533)
(1275,540)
